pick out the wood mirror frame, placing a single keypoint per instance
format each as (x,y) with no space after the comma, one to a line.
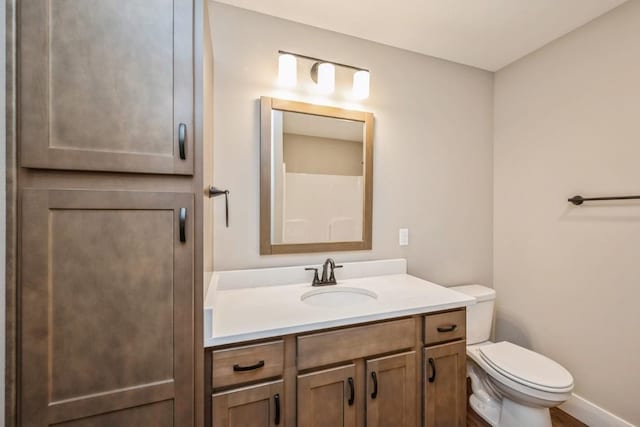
(267,105)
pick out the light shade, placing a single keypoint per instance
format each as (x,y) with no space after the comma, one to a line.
(361,84)
(326,77)
(287,70)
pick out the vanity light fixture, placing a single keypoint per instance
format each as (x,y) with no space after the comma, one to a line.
(287,70)
(323,73)
(361,84)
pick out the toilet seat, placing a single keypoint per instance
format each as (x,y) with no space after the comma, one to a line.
(526,367)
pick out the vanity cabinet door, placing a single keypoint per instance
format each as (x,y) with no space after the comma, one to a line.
(327,398)
(107,308)
(255,406)
(391,391)
(445,385)
(106,85)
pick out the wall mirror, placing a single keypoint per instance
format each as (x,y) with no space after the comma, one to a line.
(316,178)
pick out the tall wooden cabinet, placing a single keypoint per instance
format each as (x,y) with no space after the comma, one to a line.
(107,297)
(107,85)
(111,121)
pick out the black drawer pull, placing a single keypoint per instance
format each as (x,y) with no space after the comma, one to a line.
(374,377)
(449,328)
(276,399)
(352,391)
(432,378)
(183,225)
(182,136)
(238,368)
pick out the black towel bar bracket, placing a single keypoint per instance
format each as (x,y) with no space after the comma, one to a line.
(578,200)
(214,192)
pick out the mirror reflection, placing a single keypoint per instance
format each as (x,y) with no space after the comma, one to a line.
(316,178)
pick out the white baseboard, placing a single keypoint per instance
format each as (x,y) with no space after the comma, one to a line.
(591,414)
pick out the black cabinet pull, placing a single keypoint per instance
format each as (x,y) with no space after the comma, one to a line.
(276,399)
(183,225)
(352,391)
(432,378)
(182,136)
(238,368)
(449,328)
(374,377)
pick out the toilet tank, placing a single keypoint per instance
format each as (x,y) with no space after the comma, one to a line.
(480,314)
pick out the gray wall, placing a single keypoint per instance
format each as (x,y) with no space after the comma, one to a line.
(567,121)
(433,146)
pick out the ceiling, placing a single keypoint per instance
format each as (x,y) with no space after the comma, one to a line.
(487,34)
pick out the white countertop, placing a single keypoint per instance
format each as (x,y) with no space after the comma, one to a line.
(244,314)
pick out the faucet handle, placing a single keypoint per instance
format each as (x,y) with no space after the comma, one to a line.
(332,278)
(316,279)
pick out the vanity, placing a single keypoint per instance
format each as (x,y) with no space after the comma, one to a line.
(380,348)
(359,344)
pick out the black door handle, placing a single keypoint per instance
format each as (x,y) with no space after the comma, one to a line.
(183,225)
(374,377)
(182,136)
(276,399)
(449,328)
(238,368)
(432,378)
(352,392)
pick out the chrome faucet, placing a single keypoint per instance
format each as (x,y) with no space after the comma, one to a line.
(328,273)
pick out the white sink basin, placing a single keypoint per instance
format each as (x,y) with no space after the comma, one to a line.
(338,296)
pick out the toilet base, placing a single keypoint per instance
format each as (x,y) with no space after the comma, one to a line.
(507,413)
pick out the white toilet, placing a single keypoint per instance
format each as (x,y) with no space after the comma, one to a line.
(512,386)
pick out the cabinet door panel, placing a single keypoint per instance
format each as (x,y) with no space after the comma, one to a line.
(391,391)
(107,297)
(255,406)
(323,398)
(105,84)
(445,385)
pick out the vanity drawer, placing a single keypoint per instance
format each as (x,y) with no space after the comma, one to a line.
(249,363)
(348,344)
(448,326)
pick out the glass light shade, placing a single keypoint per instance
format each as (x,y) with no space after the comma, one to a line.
(326,78)
(287,70)
(361,84)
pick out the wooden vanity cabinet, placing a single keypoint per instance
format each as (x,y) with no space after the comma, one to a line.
(381,390)
(248,385)
(376,375)
(391,390)
(328,398)
(445,370)
(253,406)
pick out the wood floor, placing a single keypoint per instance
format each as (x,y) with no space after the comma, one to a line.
(559,418)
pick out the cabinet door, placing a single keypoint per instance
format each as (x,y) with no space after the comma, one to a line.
(445,385)
(327,398)
(106,308)
(105,85)
(255,406)
(391,391)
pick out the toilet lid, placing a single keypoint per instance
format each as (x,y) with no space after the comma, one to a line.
(527,367)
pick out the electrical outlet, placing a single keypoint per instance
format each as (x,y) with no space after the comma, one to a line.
(404,237)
